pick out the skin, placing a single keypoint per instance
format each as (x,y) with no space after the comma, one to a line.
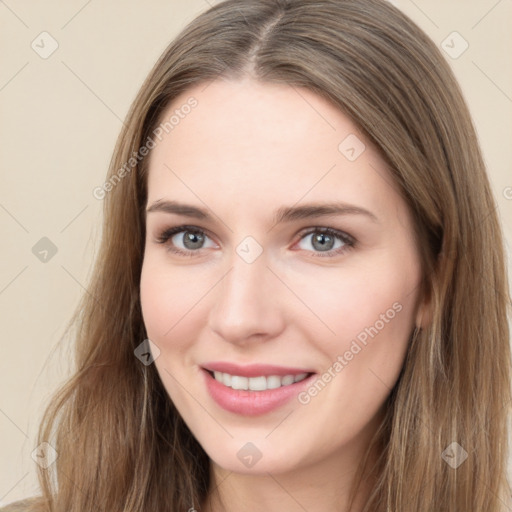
(247,149)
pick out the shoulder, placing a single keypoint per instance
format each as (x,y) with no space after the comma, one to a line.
(25,505)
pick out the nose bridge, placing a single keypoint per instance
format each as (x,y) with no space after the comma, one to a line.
(245,302)
(244,282)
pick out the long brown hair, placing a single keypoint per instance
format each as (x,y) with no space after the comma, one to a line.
(122,445)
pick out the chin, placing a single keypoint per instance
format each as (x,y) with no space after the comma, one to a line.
(258,457)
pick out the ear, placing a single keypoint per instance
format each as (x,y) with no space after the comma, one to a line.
(424,314)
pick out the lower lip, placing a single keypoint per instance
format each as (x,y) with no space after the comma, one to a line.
(252,403)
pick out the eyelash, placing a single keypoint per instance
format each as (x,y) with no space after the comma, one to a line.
(349,241)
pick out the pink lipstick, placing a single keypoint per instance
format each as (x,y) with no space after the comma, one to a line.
(254,389)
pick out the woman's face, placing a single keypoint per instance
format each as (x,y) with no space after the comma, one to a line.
(250,177)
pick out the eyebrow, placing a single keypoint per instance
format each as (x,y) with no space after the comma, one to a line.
(283,214)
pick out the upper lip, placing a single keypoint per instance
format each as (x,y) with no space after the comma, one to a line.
(253,370)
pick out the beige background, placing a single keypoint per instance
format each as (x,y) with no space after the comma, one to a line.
(59,118)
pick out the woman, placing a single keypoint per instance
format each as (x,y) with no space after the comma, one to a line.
(300,300)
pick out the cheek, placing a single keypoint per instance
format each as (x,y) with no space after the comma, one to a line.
(372,313)
(157,303)
(352,299)
(373,317)
(173,309)
(171,303)
(377,322)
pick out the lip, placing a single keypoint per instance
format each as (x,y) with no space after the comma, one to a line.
(253,370)
(253,403)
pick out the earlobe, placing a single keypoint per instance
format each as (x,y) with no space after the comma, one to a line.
(424,314)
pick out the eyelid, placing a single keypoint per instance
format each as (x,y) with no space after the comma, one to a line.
(343,235)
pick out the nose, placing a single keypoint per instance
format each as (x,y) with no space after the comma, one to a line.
(247,303)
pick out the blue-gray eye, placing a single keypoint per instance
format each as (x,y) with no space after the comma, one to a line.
(327,240)
(191,239)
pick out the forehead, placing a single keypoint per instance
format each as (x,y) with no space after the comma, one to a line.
(245,142)
(242,113)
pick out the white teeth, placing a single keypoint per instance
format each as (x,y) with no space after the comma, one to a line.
(238,382)
(287,380)
(257,383)
(226,378)
(273,382)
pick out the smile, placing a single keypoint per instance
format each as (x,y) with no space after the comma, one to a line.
(256,394)
(260,383)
